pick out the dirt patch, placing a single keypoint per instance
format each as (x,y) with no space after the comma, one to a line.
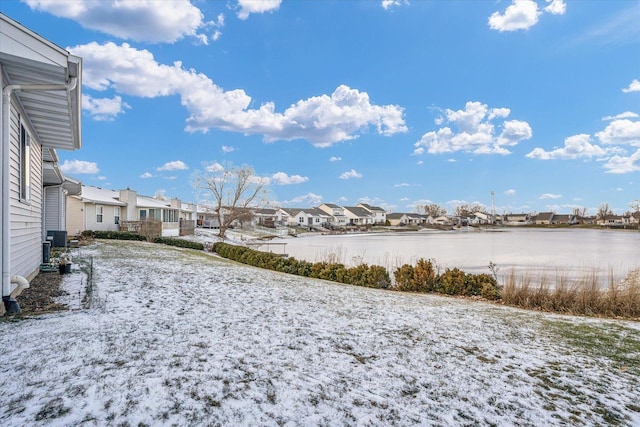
(41,295)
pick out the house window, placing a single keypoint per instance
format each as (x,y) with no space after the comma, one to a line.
(169,215)
(25,164)
(301,220)
(143,214)
(116,214)
(98,213)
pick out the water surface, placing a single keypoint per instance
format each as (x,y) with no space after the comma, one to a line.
(570,251)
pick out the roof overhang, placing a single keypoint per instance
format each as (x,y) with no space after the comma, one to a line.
(27,58)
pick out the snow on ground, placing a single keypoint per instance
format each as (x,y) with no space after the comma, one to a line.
(180,337)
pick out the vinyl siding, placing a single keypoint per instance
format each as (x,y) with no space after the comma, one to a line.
(26,216)
(75,216)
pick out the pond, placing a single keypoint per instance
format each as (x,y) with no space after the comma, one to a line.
(523,250)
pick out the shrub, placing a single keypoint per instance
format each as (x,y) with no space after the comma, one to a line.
(118,235)
(181,243)
(451,282)
(404,278)
(362,275)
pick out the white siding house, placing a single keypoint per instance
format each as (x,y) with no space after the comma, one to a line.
(41,103)
(95,209)
(100,209)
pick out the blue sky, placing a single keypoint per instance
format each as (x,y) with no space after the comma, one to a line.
(393,103)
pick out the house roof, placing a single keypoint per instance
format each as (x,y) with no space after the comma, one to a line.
(101,196)
(150,202)
(332,205)
(544,216)
(358,211)
(372,208)
(29,59)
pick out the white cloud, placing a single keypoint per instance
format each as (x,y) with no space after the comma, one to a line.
(404,184)
(576,146)
(520,15)
(322,120)
(556,7)
(214,167)
(510,192)
(282,178)
(79,167)
(335,159)
(388,4)
(350,174)
(625,115)
(227,149)
(103,109)
(634,86)
(550,196)
(623,164)
(524,14)
(621,132)
(146,175)
(139,20)
(176,165)
(309,199)
(474,132)
(248,7)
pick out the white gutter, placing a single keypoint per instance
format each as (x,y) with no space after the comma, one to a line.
(6,143)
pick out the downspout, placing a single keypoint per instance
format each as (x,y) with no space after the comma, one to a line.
(10,304)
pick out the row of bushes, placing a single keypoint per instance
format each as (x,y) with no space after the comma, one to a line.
(118,235)
(125,235)
(362,275)
(425,277)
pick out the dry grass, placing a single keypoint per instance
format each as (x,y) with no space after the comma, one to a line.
(586,295)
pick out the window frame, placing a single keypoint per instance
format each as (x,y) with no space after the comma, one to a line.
(24,162)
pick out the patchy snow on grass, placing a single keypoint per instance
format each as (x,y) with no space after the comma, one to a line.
(180,337)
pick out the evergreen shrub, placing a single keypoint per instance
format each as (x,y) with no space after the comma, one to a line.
(363,275)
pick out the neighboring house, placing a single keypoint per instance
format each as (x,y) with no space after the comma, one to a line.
(564,219)
(338,218)
(100,209)
(358,216)
(41,113)
(517,219)
(96,209)
(152,208)
(265,217)
(310,217)
(402,219)
(612,220)
(379,214)
(544,218)
(442,220)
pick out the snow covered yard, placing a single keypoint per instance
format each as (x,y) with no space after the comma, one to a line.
(179,337)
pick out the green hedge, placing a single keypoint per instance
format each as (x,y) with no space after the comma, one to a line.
(181,243)
(126,235)
(424,278)
(118,235)
(362,275)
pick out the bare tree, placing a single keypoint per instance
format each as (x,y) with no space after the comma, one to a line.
(580,211)
(233,190)
(434,210)
(604,211)
(465,209)
(635,205)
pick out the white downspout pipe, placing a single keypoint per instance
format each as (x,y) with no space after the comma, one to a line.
(6,178)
